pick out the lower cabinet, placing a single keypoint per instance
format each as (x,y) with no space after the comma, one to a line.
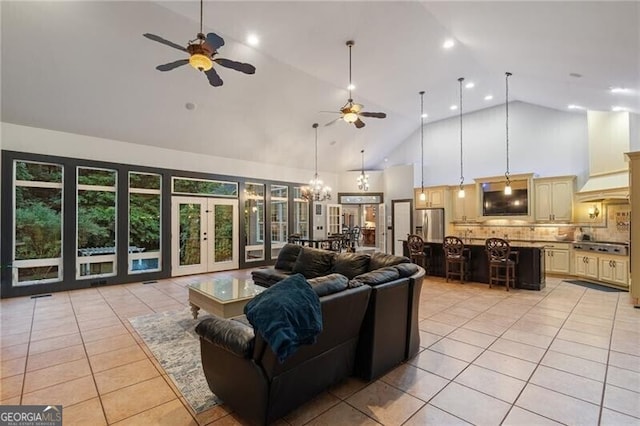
(614,270)
(556,260)
(587,266)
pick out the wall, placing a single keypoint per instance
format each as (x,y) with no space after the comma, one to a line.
(397,186)
(347,181)
(543,141)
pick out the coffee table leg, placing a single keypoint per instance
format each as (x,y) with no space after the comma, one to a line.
(194,310)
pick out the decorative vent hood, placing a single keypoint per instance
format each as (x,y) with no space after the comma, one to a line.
(608,171)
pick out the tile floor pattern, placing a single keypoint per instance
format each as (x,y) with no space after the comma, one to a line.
(564,355)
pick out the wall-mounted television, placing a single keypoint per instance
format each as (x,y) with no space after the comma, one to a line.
(496,203)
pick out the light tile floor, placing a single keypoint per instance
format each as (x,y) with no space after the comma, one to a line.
(564,355)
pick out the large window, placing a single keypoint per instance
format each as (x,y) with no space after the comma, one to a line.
(145,218)
(279,218)
(37,254)
(254,221)
(96,222)
(300,213)
(192,186)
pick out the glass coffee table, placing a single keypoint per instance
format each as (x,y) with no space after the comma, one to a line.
(222,296)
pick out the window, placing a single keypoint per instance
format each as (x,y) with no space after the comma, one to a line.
(300,214)
(144,222)
(279,218)
(37,254)
(205,187)
(96,222)
(254,221)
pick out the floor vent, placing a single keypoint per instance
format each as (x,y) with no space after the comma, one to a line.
(41,295)
(97,283)
(149,282)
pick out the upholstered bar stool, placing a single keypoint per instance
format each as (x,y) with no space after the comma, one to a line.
(502,268)
(454,257)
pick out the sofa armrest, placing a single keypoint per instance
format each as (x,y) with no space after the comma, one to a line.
(233,336)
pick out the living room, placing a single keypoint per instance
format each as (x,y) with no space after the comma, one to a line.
(111,110)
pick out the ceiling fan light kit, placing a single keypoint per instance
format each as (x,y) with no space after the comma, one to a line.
(507,185)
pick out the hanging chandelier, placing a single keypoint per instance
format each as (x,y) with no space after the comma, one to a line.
(461,190)
(423,196)
(507,185)
(363,179)
(316,190)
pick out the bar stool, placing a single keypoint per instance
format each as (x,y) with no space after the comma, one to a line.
(415,244)
(502,269)
(453,248)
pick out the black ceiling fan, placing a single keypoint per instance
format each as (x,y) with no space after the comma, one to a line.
(202,51)
(351,111)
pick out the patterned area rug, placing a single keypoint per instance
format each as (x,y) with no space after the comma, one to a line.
(172,338)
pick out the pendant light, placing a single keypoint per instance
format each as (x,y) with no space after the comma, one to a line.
(507,185)
(461,190)
(316,190)
(363,179)
(423,196)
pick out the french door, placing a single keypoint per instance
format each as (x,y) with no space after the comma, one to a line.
(204,235)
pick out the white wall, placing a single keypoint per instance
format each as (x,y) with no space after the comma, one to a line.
(50,142)
(398,185)
(348,181)
(634,132)
(543,141)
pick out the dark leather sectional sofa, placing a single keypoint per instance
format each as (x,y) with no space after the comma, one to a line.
(370,325)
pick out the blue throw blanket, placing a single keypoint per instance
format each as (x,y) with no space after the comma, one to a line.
(286,315)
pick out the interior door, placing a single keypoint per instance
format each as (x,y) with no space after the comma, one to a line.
(204,235)
(401,212)
(334,219)
(381,229)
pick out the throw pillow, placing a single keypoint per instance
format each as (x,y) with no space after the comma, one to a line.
(406,269)
(373,278)
(287,257)
(329,284)
(313,262)
(380,260)
(351,264)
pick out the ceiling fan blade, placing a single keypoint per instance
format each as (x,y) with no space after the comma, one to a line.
(238,66)
(359,123)
(214,78)
(163,41)
(332,121)
(214,41)
(172,65)
(374,114)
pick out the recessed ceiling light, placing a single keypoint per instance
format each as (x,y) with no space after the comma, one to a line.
(253,40)
(453,107)
(448,44)
(620,90)
(351,87)
(618,108)
(470,85)
(488,97)
(386,159)
(574,106)
(425,115)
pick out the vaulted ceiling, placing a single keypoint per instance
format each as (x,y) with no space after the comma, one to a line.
(83,67)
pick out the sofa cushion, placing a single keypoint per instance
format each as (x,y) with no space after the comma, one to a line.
(287,257)
(329,284)
(351,264)
(373,278)
(286,315)
(380,260)
(313,262)
(268,276)
(406,269)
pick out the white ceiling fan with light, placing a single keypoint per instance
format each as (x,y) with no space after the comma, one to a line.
(351,111)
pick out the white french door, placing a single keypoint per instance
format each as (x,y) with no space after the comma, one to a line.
(381,229)
(204,235)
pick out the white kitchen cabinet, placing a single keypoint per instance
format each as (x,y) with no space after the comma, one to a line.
(435,197)
(464,209)
(554,199)
(587,266)
(556,259)
(614,270)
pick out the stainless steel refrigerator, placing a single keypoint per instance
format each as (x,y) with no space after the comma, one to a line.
(429,224)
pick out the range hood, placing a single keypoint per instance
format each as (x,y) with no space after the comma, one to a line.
(608,171)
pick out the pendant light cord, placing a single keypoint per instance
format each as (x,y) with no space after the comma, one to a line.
(201,1)
(506,81)
(460,80)
(315,126)
(362,152)
(350,44)
(422,140)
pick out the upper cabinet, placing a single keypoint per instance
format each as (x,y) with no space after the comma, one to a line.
(434,197)
(465,209)
(554,199)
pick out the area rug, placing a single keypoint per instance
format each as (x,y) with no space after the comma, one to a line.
(593,286)
(172,339)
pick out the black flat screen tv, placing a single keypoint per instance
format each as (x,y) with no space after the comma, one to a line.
(496,203)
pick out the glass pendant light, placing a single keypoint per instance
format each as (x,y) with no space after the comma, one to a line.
(507,185)
(423,196)
(461,190)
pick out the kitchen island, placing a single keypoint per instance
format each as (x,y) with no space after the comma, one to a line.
(529,270)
